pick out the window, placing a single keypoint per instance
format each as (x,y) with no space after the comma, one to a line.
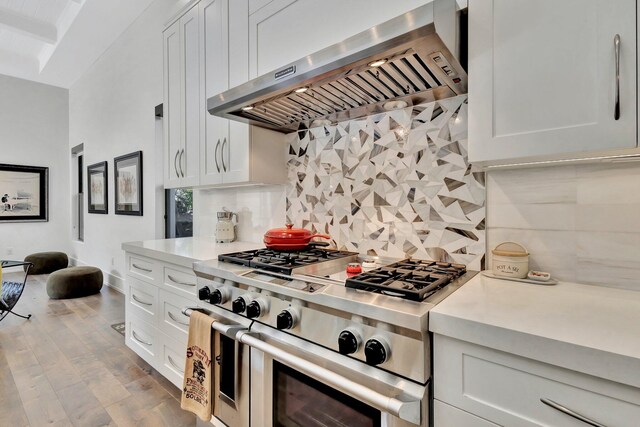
(179,213)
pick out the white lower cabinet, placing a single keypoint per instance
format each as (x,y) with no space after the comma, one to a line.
(509,390)
(143,299)
(156,329)
(172,359)
(172,322)
(142,338)
(449,416)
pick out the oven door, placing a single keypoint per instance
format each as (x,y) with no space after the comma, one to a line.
(296,383)
(231,379)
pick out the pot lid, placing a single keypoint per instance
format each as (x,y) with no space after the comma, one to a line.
(289,232)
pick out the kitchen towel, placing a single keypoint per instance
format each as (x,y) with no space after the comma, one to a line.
(198,372)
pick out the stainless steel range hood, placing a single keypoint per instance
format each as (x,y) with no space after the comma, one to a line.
(343,82)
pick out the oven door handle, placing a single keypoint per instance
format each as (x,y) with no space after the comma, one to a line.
(408,410)
(230,331)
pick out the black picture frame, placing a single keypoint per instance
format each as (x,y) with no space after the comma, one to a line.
(98,188)
(127,180)
(18,187)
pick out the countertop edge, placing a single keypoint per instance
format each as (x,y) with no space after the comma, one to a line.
(169,257)
(611,366)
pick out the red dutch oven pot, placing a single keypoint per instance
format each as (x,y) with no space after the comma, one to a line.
(291,239)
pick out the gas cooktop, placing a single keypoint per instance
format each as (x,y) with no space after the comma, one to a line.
(288,262)
(410,279)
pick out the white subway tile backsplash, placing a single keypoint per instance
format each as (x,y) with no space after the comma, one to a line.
(578,221)
(550,216)
(619,185)
(259,209)
(532,186)
(619,218)
(612,273)
(609,246)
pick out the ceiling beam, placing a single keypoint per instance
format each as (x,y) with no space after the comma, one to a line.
(28,26)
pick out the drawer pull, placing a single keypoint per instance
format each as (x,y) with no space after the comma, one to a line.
(175,319)
(141,268)
(178,282)
(569,412)
(136,299)
(616,46)
(135,337)
(175,365)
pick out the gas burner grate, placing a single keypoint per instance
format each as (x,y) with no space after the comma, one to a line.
(410,279)
(283,261)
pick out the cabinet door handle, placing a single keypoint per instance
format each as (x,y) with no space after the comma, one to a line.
(135,337)
(175,319)
(178,282)
(224,167)
(140,268)
(180,162)
(175,365)
(569,412)
(175,163)
(136,299)
(216,155)
(616,45)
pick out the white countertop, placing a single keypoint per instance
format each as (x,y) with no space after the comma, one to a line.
(590,329)
(186,250)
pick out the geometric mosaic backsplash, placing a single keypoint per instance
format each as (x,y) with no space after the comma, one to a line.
(396,184)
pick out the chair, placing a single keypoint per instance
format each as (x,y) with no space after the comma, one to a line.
(12,291)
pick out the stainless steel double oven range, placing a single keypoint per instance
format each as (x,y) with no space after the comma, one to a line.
(300,342)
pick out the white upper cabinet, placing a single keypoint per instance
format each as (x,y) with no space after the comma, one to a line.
(172,104)
(182,101)
(206,52)
(283,31)
(215,130)
(232,152)
(542,79)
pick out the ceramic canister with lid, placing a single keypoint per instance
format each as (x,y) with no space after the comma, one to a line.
(510,259)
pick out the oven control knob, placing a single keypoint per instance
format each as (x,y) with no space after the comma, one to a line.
(239,305)
(257,308)
(376,351)
(287,319)
(348,342)
(204,293)
(219,296)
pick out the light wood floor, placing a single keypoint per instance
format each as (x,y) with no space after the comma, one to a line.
(67,366)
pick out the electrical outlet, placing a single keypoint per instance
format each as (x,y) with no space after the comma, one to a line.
(9,251)
(113,261)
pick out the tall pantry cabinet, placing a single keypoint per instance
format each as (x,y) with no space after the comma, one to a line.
(182,101)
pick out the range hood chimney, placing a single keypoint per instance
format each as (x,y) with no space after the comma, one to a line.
(402,62)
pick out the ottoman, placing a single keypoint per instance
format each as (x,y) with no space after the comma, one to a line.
(74,282)
(46,262)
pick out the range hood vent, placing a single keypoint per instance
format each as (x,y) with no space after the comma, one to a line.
(399,63)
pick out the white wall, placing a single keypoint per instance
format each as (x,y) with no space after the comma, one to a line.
(579,222)
(111,111)
(34,131)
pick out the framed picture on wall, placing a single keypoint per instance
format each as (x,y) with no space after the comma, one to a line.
(24,193)
(98,189)
(128,183)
